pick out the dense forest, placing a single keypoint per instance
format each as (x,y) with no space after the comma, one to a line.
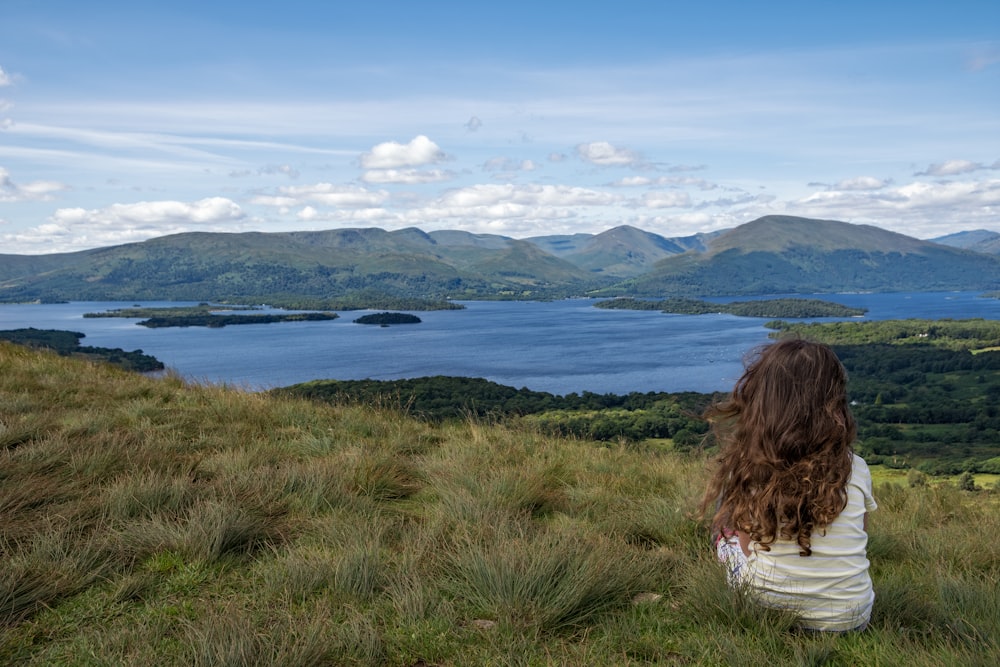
(925,391)
(919,406)
(923,407)
(634,417)
(972,334)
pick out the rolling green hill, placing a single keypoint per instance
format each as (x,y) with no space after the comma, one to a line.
(255,265)
(781,254)
(772,255)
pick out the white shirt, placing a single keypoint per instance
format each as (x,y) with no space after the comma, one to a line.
(830,589)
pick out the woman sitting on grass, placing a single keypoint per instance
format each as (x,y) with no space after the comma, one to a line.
(790,496)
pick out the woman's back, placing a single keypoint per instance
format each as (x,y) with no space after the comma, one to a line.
(790,496)
(831,588)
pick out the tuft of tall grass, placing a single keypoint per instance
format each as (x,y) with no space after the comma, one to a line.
(52,567)
(546,581)
(210,530)
(20,429)
(316,486)
(150,493)
(384,478)
(236,636)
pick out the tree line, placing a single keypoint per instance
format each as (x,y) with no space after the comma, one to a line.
(795,308)
(923,407)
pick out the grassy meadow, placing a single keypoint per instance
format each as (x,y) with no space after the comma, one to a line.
(155,522)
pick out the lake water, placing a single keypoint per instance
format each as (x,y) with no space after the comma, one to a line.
(559,347)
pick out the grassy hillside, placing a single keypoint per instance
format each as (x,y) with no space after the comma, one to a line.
(151,522)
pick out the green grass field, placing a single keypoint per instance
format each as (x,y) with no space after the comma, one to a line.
(155,522)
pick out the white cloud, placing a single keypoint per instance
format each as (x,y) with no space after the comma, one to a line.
(366,216)
(526,195)
(633,181)
(605,155)
(329,194)
(4,78)
(391,155)
(923,210)
(666,199)
(70,229)
(148,213)
(33,191)
(861,183)
(407,176)
(477,214)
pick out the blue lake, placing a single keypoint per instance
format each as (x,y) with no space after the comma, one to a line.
(559,347)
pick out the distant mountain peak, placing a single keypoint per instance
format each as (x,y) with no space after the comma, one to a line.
(778,233)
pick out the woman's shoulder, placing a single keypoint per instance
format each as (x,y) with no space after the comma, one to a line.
(859,469)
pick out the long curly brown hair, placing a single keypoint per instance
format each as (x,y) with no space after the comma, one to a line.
(785,435)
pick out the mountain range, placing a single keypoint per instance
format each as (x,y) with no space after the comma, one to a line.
(770,255)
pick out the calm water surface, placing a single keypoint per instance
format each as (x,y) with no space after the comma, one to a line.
(560,347)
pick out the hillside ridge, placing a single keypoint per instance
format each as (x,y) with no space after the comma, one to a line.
(773,254)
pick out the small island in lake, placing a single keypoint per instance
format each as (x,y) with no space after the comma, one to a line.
(205,315)
(794,308)
(385,319)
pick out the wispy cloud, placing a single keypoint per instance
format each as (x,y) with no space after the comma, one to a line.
(32,191)
(983,57)
(326,194)
(407,176)
(861,183)
(955,168)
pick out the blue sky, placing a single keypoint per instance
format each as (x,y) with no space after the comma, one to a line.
(121,121)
